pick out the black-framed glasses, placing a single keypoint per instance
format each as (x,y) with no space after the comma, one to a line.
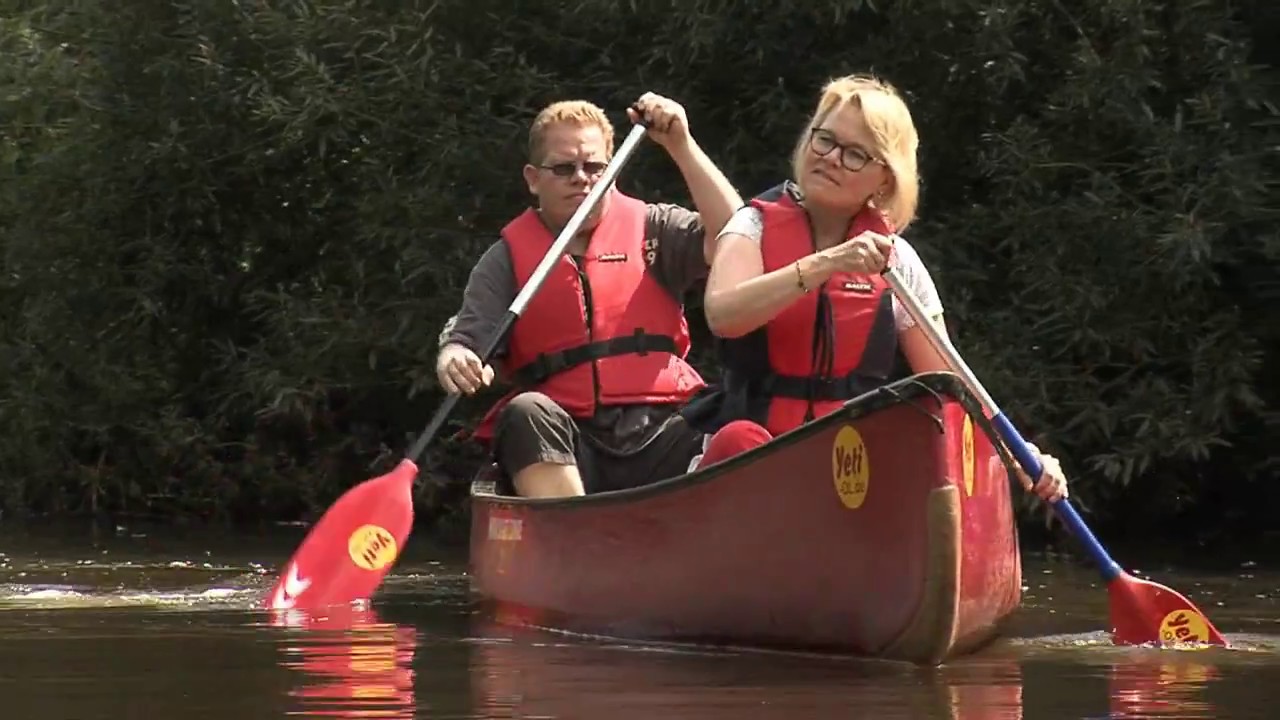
(852,157)
(591,168)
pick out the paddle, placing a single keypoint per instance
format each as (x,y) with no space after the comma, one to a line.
(345,556)
(1141,611)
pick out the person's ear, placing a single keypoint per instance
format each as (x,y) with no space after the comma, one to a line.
(531,178)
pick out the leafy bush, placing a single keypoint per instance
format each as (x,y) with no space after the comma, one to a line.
(232,231)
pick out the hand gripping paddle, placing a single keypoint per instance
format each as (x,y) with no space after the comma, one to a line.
(1141,611)
(345,556)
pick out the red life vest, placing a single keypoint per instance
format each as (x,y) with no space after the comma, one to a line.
(605,334)
(834,343)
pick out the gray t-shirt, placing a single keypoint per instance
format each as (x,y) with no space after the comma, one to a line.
(674,252)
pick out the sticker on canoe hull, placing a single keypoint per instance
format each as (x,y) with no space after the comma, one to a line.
(968,463)
(505,528)
(850,467)
(506,533)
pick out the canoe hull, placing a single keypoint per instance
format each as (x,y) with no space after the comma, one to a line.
(884,530)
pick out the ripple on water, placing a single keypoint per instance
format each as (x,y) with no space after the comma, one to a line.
(53,584)
(1098,646)
(45,597)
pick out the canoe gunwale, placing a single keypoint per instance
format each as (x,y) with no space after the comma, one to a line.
(907,391)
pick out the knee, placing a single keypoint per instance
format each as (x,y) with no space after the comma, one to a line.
(742,434)
(734,438)
(530,420)
(533,429)
(530,408)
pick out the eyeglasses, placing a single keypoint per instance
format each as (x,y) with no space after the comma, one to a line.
(852,157)
(592,168)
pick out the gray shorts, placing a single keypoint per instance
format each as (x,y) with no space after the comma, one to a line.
(533,428)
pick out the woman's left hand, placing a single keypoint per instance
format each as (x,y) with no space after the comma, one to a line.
(1052,485)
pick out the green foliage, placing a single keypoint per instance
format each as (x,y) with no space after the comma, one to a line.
(231,231)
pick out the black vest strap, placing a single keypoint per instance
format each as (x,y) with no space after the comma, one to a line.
(816,388)
(548,364)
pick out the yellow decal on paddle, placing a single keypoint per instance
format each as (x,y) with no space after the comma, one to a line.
(851,467)
(967,460)
(371,547)
(1184,626)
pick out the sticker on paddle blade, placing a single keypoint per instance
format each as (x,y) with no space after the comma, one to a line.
(1184,626)
(371,547)
(967,460)
(850,467)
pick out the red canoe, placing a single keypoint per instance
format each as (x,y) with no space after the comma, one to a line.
(883,530)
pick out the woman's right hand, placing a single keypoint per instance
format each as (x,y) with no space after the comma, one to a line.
(867,253)
(460,371)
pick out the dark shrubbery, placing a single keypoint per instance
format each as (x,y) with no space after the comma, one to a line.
(232,231)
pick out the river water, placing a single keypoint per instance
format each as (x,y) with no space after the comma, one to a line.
(157,626)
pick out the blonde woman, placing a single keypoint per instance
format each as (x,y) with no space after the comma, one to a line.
(795,291)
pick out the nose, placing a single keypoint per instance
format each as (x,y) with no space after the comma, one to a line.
(580,176)
(831,159)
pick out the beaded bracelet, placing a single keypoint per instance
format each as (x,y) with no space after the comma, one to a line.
(800,279)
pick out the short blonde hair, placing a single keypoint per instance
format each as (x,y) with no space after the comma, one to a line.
(896,140)
(572,112)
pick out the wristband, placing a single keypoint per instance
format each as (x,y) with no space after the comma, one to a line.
(800,279)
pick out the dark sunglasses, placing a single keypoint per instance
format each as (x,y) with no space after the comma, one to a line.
(567,169)
(852,157)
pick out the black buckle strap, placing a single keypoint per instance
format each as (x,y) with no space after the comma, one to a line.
(803,387)
(548,364)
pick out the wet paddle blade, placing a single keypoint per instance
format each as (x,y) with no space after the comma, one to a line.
(1145,612)
(348,552)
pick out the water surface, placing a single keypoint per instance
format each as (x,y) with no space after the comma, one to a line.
(158,626)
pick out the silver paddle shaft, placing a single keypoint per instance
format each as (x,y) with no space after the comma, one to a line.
(939,341)
(579,216)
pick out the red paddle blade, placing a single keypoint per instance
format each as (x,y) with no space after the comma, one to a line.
(345,556)
(1146,612)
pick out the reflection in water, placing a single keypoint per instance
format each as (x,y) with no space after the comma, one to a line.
(1161,685)
(523,673)
(520,673)
(991,692)
(355,665)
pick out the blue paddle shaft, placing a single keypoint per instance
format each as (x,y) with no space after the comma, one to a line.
(1005,429)
(1066,511)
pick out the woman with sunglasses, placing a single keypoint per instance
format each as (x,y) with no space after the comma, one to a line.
(795,291)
